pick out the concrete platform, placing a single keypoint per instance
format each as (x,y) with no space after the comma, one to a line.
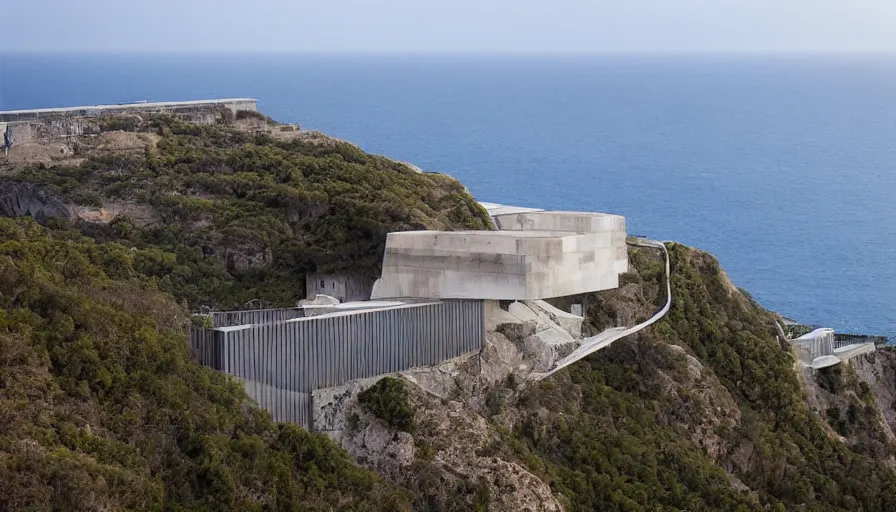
(818,349)
(494,209)
(559,221)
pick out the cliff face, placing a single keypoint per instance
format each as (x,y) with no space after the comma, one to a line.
(878,370)
(705,410)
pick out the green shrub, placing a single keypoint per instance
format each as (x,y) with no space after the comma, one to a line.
(388,401)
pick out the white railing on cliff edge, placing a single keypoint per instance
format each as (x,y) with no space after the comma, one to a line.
(604,339)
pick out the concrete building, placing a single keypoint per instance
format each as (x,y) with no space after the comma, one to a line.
(536,255)
(344,287)
(820,348)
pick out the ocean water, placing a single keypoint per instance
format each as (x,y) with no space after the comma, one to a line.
(784,168)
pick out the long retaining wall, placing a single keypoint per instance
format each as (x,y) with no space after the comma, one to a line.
(282,363)
(24,126)
(176,107)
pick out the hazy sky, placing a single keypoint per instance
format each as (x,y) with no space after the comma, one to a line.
(789,26)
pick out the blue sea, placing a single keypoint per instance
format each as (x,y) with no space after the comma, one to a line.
(784,168)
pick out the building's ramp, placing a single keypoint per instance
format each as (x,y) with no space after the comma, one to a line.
(604,339)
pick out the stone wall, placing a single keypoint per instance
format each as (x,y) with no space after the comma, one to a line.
(45,124)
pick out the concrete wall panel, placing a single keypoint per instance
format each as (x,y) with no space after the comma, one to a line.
(505,265)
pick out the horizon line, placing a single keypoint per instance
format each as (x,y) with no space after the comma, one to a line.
(484,53)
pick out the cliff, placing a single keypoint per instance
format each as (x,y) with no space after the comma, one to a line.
(707,410)
(103,408)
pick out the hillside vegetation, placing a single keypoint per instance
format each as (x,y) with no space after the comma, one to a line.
(227,215)
(704,411)
(102,408)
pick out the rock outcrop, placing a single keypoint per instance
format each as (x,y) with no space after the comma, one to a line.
(24,199)
(447,461)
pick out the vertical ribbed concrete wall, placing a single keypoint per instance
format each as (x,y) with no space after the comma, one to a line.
(283,404)
(282,363)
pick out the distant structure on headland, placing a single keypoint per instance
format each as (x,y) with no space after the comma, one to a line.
(533,255)
(22,126)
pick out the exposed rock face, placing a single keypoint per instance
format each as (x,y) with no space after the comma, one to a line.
(25,199)
(878,369)
(447,460)
(856,400)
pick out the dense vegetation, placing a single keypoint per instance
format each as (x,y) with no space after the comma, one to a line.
(627,428)
(227,216)
(101,407)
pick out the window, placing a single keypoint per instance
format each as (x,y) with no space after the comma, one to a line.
(322,284)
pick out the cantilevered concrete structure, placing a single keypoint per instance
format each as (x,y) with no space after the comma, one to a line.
(550,254)
(820,348)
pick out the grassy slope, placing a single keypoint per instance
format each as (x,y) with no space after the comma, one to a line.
(233,216)
(102,407)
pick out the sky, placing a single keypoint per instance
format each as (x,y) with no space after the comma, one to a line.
(455,26)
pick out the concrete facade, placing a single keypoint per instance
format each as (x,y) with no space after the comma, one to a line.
(566,222)
(536,255)
(346,288)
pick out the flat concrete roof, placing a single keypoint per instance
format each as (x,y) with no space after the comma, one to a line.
(817,333)
(158,104)
(378,305)
(494,209)
(488,234)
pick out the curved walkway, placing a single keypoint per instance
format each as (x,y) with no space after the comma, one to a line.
(604,339)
